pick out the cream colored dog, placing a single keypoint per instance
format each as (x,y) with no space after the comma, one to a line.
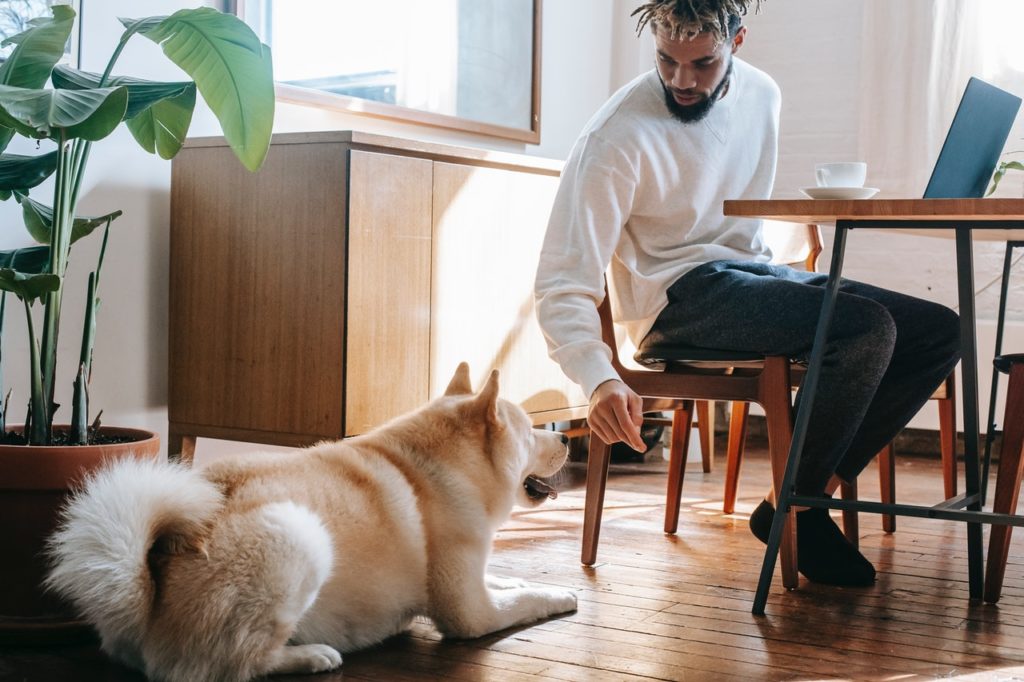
(275,563)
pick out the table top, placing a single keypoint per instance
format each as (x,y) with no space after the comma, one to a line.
(828,211)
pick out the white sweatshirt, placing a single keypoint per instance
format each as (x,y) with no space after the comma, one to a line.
(643,192)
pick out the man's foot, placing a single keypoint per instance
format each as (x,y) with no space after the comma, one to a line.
(824,555)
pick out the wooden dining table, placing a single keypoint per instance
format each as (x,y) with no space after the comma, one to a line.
(967,220)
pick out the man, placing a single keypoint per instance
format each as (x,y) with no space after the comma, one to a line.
(641,197)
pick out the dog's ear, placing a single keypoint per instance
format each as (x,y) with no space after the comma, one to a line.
(487,399)
(459,385)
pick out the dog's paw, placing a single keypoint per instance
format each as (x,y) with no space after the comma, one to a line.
(560,601)
(305,658)
(322,657)
(496,583)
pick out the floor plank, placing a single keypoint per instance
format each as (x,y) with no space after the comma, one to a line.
(660,607)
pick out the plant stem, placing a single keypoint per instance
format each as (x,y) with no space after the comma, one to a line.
(80,400)
(60,240)
(3,407)
(79,157)
(40,434)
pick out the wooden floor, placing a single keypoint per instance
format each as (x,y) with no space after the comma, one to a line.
(678,608)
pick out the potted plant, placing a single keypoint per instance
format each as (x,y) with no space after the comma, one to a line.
(39,462)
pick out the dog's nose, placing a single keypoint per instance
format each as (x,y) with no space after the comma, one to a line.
(565,439)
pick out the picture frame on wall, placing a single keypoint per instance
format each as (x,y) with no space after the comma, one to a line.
(16,14)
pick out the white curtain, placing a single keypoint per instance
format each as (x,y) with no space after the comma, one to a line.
(916,60)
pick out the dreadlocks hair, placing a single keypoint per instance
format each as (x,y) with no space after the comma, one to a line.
(684,19)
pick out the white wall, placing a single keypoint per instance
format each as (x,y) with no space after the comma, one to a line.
(589,49)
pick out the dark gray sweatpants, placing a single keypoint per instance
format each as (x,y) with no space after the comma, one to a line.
(885,356)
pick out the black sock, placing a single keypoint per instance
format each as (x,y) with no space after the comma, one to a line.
(824,555)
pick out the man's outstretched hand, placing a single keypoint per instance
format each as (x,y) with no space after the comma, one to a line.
(616,414)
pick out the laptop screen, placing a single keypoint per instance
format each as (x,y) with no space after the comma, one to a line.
(975,140)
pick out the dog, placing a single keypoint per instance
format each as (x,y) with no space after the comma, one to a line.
(280,563)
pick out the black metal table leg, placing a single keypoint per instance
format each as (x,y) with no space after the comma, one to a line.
(990,430)
(969,377)
(803,417)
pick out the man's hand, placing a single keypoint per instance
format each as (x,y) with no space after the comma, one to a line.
(616,414)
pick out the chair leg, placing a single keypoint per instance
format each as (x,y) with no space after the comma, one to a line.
(947,437)
(597,478)
(734,455)
(704,428)
(775,399)
(851,525)
(680,444)
(1007,483)
(887,484)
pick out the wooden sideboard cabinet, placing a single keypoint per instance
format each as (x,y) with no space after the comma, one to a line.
(342,284)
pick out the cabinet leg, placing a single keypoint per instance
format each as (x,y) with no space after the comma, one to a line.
(181,448)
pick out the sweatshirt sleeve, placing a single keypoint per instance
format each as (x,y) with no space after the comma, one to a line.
(591,206)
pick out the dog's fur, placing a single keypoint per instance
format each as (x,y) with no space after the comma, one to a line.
(275,563)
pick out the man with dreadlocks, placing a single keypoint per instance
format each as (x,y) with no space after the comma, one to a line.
(641,197)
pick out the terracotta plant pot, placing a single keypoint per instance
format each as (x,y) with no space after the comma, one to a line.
(34,482)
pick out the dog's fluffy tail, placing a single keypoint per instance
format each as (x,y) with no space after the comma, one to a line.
(100,551)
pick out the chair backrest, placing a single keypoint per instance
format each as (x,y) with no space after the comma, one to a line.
(792,244)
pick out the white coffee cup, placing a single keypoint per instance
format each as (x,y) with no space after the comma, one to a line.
(841,174)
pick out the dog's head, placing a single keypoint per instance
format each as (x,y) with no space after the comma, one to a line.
(519,452)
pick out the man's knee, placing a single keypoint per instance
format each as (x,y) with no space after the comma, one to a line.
(949,322)
(867,335)
(938,329)
(877,326)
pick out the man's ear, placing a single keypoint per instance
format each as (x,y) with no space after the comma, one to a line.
(487,399)
(459,385)
(737,40)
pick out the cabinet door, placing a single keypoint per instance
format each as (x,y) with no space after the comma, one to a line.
(257,294)
(388,322)
(488,227)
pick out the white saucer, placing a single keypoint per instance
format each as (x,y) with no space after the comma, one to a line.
(840,192)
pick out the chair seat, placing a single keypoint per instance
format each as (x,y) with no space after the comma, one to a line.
(1004,362)
(660,356)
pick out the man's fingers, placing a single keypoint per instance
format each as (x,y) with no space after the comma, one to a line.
(636,410)
(597,428)
(629,431)
(616,415)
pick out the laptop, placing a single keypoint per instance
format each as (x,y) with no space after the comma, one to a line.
(974,143)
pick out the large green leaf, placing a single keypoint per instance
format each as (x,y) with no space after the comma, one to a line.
(24,172)
(30,260)
(158,114)
(141,25)
(39,221)
(26,286)
(88,114)
(232,69)
(142,94)
(162,128)
(38,49)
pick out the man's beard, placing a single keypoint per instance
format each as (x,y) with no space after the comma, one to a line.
(696,112)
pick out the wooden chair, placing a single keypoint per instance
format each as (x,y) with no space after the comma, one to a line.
(686,375)
(1008,478)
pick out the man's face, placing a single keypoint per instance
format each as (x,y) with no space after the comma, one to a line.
(695,73)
